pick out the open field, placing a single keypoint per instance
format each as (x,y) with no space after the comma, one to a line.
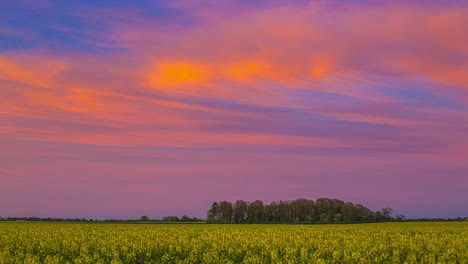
(31,242)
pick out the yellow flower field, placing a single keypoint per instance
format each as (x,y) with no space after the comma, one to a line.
(39,242)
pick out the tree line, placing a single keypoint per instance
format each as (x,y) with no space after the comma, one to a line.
(323,210)
(183,219)
(173,219)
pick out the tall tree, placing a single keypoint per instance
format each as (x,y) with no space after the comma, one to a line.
(213,214)
(225,212)
(240,211)
(255,212)
(387,212)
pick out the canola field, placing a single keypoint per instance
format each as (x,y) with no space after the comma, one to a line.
(31,242)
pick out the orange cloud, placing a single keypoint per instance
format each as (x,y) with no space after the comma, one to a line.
(246,71)
(321,67)
(172,74)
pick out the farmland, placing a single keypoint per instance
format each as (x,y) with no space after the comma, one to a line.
(39,242)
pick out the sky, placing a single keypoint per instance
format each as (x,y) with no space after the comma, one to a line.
(118,109)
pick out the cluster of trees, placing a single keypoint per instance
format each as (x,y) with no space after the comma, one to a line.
(323,210)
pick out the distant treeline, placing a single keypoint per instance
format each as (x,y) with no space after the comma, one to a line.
(172,219)
(457,219)
(300,211)
(322,210)
(48,219)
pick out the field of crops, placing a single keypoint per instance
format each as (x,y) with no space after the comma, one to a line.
(31,242)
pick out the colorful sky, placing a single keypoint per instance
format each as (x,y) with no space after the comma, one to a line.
(118,109)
